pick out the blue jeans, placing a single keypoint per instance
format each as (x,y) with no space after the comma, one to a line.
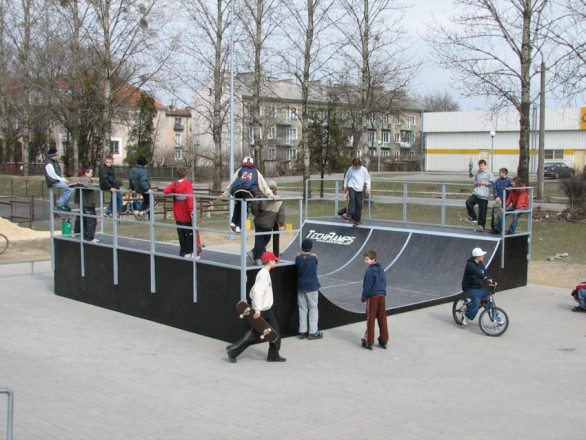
(307,302)
(118,196)
(475,295)
(515,220)
(582,298)
(355,204)
(66,193)
(260,241)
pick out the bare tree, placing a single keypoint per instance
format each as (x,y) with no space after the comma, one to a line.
(570,38)
(305,57)
(259,20)
(373,56)
(490,48)
(129,39)
(439,102)
(202,71)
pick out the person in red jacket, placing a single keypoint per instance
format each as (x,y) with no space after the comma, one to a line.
(182,191)
(517,199)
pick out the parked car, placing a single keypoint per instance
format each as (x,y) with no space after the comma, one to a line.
(557,170)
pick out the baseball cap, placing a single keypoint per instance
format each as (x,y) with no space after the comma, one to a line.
(477,252)
(248,159)
(267,256)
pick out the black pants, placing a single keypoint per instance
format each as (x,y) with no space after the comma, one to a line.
(89,224)
(471,202)
(185,238)
(260,242)
(251,336)
(355,204)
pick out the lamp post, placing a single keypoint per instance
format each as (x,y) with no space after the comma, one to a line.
(492,135)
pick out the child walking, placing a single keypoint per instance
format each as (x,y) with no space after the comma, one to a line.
(307,291)
(374,290)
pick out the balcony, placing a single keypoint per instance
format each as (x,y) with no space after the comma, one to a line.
(179,127)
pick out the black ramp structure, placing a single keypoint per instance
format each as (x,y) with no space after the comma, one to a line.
(424,266)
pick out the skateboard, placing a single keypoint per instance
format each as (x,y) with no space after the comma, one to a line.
(343,215)
(265,331)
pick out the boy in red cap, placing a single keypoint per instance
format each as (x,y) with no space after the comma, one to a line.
(261,296)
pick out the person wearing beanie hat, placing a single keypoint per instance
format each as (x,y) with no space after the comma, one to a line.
(140,181)
(261,296)
(245,184)
(475,274)
(55,179)
(269,215)
(307,292)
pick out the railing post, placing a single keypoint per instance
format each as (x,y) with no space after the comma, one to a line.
(9,412)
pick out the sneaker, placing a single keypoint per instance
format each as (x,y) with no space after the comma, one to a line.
(95,240)
(382,344)
(317,335)
(471,220)
(233,226)
(231,359)
(250,255)
(464,321)
(188,256)
(136,214)
(277,359)
(108,214)
(366,344)
(578,309)
(479,229)
(237,230)
(509,232)
(63,208)
(303,335)
(495,231)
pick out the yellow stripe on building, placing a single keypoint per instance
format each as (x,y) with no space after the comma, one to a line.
(499,152)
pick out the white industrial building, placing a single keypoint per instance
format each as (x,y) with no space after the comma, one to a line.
(453,138)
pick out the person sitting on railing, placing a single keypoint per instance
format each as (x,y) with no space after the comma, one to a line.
(55,179)
(244,185)
(517,199)
(140,181)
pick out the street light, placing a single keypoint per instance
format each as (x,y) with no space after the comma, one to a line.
(492,135)
(378,154)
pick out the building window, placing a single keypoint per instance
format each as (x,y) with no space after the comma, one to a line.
(385,153)
(291,154)
(291,134)
(115,146)
(271,111)
(396,154)
(385,119)
(251,135)
(410,121)
(178,138)
(271,154)
(272,133)
(178,153)
(386,137)
(397,119)
(397,137)
(371,136)
(554,154)
(292,114)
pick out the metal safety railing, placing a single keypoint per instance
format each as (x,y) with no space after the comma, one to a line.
(9,411)
(152,224)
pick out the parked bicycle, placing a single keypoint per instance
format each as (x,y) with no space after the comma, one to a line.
(4,242)
(493,320)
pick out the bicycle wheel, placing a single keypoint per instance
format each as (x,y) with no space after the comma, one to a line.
(458,310)
(3,243)
(494,321)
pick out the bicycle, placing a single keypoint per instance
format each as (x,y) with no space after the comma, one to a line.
(4,242)
(493,320)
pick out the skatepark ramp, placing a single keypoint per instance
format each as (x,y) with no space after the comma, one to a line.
(424,264)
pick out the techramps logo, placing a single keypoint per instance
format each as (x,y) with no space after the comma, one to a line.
(331,238)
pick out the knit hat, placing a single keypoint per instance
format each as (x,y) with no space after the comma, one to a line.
(248,159)
(142,160)
(52,152)
(267,256)
(306,245)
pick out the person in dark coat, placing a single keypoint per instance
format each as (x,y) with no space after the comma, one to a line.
(140,181)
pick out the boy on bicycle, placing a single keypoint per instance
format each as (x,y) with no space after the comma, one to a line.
(472,284)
